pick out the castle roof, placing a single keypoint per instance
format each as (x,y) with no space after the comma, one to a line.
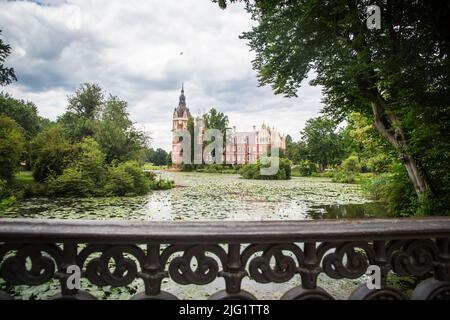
(182,111)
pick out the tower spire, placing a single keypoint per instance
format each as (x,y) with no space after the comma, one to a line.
(182,102)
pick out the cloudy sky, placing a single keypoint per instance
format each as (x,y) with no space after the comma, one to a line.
(133,50)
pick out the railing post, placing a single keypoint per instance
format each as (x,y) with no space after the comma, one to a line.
(442,266)
(152,274)
(69,258)
(310,269)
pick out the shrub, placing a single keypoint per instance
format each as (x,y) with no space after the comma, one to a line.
(71,183)
(161,184)
(351,164)
(253,171)
(6,199)
(380,163)
(12,145)
(120,182)
(306,168)
(90,161)
(344,177)
(50,153)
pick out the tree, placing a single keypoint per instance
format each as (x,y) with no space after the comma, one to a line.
(323,143)
(116,135)
(83,112)
(158,157)
(50,153)
(7,75)
(397,75)
(216,120)
(12,145)
(24,113)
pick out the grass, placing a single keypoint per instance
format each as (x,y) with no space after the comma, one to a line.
(149,166)
(25,177)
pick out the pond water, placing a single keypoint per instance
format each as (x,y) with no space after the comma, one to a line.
(201,196)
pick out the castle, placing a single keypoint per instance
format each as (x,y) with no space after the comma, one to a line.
(242,147)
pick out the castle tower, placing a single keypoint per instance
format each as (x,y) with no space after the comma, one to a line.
(181,116)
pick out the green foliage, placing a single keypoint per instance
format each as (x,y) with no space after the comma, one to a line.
(24,113)
(90,160)
(380,163)
(296,151)
(396,76)
(253,171)
(85,174)
(323,142)
(158,157)
(351,164)
(72,182)
(120,181)
(6,200)
(12,146)
(116,135)
(344,177)
(306,168)
(7,75)
(83,112)
(349,169)
(162,184)
(50,153)
(216,120)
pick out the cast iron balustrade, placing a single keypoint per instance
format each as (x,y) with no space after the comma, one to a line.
(32,252)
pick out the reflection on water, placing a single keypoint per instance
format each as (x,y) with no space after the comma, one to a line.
(215,197)
(348,211)
(209,196)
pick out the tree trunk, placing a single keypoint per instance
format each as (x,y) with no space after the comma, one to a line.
(384,122)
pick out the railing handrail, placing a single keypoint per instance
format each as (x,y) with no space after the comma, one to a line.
(220,231)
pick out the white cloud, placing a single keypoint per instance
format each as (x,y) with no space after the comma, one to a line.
(132,49)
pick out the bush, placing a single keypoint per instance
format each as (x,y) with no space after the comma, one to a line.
(12,146)
(6,199)
(84,176)
(71,183)
(344,177)
(253,171)
(351,164)
(161,184)
(396,190)
(380,163)
(348,171)
(90,160)
(120,182)
(306,168)
(50,154)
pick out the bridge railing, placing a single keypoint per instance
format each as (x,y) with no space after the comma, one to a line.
(116,253)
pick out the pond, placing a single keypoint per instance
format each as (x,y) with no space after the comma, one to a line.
(202,196)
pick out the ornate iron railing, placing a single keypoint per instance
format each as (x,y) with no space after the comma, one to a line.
(115,253)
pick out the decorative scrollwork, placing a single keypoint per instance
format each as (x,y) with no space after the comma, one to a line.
(27,265)
(432,289)
(414,257)
(299,293)
(385,293)
(284,267)
(125,269)
(349,260)
(206,269)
